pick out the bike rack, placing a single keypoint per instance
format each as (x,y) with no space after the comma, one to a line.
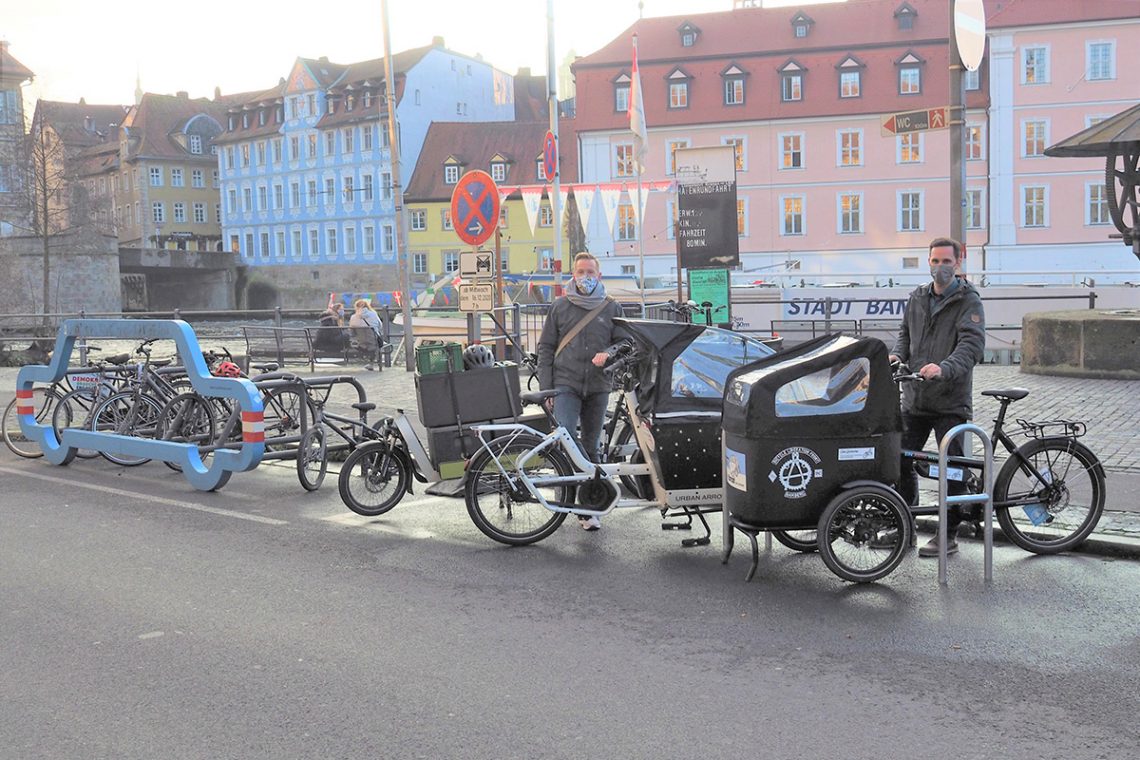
(226,461)
(986,497)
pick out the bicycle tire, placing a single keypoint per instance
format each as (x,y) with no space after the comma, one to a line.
(14,437)
(312,458)
(496,508)
(863,523)
(372,481)
(188,418)
(111,416)
(806,541)
(282,416)
(65,416)
(1073,499)
(640,486)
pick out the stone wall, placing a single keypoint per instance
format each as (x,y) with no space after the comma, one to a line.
(83,273)
(1094,343)
(307,287)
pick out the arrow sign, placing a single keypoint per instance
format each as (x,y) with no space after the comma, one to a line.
(475,207)
(916,121)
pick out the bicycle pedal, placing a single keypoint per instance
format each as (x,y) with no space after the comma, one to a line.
(676,526)
(689,542)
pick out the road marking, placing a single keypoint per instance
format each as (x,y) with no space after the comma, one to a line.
(353,520)
(146,497)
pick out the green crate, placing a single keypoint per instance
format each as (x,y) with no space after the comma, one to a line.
(431,359)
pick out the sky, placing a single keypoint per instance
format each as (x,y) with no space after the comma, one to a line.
(94,51)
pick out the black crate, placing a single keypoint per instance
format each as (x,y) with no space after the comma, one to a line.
(448,451)
(489,393)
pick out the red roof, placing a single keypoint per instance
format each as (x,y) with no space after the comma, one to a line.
(12,70)
(80,125)
(474,144)
(155,120)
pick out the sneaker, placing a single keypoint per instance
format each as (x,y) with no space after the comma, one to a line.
(930,548)
(590,523)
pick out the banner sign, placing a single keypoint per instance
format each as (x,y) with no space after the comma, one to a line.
(706,208)
(712,286)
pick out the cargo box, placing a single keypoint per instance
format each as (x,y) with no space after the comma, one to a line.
(488,393)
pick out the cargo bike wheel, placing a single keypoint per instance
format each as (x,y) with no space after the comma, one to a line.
(498,502)
(864,533)
(372,479)
(798,540)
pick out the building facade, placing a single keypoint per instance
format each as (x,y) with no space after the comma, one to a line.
(13,76)
(801,95)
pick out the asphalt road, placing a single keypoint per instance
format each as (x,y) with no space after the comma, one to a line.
(142,619)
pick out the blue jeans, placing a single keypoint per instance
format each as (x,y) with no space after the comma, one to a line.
(916,431)
(572,409)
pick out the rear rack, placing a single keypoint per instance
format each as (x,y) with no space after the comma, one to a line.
(1046,428)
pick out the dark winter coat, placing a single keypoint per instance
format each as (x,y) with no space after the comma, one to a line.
(573,367)
(951,333)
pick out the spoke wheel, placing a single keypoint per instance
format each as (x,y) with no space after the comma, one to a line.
(312,459)
(863,533)
(372,480)
(282,417)
(188,418)
(114,415)
(45,400)
(75,409)
(797,540)
(501,506)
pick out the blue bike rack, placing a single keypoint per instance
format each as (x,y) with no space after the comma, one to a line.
(226,461)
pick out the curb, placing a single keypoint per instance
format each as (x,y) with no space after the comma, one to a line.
(1100,544)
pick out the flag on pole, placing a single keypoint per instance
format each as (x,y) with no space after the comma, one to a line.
(637,116)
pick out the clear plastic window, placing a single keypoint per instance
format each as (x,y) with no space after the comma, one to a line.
(702,368)
(840,389)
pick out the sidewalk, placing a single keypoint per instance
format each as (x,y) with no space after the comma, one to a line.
(1110,408)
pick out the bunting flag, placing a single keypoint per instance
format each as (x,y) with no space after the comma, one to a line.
(563,198)
(638,208)
(504,192)
(532,199)
(611,198)
(637,116)
(584,196)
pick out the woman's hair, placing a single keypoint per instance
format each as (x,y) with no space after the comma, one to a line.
(359,302)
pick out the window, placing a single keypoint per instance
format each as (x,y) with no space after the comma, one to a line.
(350,241)
(973,142)
(850,213)
(503,216)
(834,390)
(623,160)
(196,144)
(156,176)
(247,199)
(312,192)
(504,259)
(330,191)
(231,205)
(330,143)
(349,102)
(678,94)
(296,245)
(197,178)
(366,137)
(366,191)
(419,263)
(687,39)
(158,212)
(741,217)
(385,186)
(348,141)
(278,196)
(733,91)
(793,221)
(367,99)
(910,80)
(330,237)
(262,198)
(850,145)
(905,17)
(177,177)
(1096,204)
(445,218)
(314,243)
(312,152)
(450,174)
(280,244)
(1101,58)
(218,213)
(179,212)
(738,147)
(909,148)
(1033,203)
(972,79)
(545,216)
(369,239)
(791,154)
(671,148)
(419,220)
(1035,138)
(850,84)
(1035,65)
(910,211)
(975,209)
(264,239)
(450,262)
(621,97)
(348,189)
(499,171)
(294,147)
(627,222)
(295,195)
(791,87)
(388,241)
(260,152)
(199,213)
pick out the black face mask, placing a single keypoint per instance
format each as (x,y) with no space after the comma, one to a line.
(942,274)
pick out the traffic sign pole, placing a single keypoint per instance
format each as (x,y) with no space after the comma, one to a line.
(957,120)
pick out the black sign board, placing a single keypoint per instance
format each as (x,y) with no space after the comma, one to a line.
(706,225)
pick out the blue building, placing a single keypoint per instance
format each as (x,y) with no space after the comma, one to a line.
(305,167)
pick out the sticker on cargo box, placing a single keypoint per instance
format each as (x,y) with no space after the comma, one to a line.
(795,467)
(863,452)
(736,469)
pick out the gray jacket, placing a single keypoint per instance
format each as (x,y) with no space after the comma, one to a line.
(573,367)
(950,333)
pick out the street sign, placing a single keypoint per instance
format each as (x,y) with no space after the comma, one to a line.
(476,296)
(476,264)
(970,32)
(549,155)
(475,207)
(916,121)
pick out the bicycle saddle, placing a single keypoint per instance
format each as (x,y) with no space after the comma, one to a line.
(364,406)
(537,397)
(117,359)
(270,367)
(1011,394)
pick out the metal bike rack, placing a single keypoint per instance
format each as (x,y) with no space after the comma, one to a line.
(986,497)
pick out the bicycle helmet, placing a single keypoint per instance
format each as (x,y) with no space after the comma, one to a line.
(477,355)
(227,369)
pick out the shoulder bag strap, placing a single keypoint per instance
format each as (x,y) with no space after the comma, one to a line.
(581,325)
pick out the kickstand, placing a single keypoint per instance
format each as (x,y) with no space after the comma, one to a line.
(704,540)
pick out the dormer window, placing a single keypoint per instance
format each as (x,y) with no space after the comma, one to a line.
(245,121)
(450,171)
(910,73)
(261,117)
(792,81)
(499,168)
(196,144)
(279,114)
(678,89)
(540,169)
(689,34)
(331,104)
(801,25)
(850,77)
(905,15)
(621,93)
(349,102)
(733,78)
(367,99)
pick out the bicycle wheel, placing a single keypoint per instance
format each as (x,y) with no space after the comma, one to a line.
(372,481)
(1056,509)
(312,459)
(863,533)
(45,400)
(187,418)
(798,540)
(119,415)
(74,410)
(282,417)
(501,506)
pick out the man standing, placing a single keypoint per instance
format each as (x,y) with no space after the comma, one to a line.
(942,336)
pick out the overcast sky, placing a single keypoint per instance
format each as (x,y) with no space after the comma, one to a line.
(91,50)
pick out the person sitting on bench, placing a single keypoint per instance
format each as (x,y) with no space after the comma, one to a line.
(367,333)
(331,337)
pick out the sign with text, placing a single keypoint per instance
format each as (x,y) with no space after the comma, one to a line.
(706,208)
(476,296)
(916,121)
(711,286)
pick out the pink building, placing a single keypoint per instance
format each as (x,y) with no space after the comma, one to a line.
(822,188)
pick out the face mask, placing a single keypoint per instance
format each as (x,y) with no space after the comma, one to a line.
(586,284)
(943,274)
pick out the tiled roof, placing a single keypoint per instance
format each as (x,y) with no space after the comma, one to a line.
(80,125)
(155,120)
(12,70)
(531,102)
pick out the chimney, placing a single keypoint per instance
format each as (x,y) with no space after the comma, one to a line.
(88,124)
(323,59)
(183,94)
(437,41)
(217,93)
(82,101)
(524,71)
